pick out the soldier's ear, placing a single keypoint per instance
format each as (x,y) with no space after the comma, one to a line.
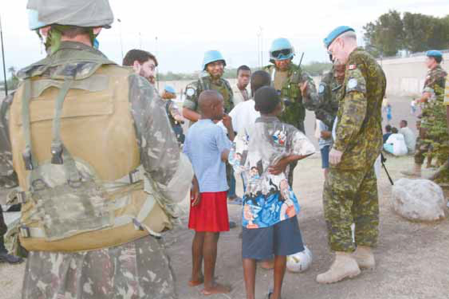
(137,66)
(44,30)
(97,30)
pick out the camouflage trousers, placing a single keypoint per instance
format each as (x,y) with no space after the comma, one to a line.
(139,269)
(422,148)
(350,196)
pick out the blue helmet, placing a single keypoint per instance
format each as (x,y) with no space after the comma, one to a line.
(281,49)
(212,56)
(434,53)
(170,89)
(33,20)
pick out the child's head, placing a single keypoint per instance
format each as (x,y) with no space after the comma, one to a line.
(259,79)
(394,130)
(211,105)
(268,101)
(388,128)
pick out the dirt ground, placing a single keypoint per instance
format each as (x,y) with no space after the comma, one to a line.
(412,258)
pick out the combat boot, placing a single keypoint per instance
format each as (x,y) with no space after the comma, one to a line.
(364,257)
(415,172)
(344,266)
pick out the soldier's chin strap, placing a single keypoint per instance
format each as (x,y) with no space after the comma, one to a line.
(383,160)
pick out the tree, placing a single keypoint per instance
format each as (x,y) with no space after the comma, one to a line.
(385,36)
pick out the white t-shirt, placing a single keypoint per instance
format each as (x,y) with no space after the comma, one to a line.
(398,142)
(243,115)
(409,138)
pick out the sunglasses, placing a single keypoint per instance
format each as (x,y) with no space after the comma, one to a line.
(281,53)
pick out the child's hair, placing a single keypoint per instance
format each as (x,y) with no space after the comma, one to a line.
(259,79)
(388,128)
(267,99)
(394,130)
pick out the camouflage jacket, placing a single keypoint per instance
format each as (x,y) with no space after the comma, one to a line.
(434,85)
(194,89)
(359,129)
(159,151)
(326,103)
(294,112)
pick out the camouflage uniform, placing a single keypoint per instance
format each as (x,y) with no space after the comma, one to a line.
(326,104)
(350,192)
(294,112)
(194,89)
(434,84)
(137,269)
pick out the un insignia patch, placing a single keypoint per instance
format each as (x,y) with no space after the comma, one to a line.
(352,83)
(190,92)
(321,88)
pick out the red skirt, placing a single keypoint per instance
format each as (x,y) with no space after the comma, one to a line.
(211,214)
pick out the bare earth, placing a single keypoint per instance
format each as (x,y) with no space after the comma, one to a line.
(412,258)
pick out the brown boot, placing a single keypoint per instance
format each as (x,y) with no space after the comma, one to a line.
(415,172)
(344,266)
(364,257)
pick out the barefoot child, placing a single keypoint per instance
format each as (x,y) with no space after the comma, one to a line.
(270,225)
(208,147)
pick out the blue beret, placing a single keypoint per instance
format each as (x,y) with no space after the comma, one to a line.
(336,33)
(434,53)
(170,89)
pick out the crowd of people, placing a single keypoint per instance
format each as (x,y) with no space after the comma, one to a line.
(101,160)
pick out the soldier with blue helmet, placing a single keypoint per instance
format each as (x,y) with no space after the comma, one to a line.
(432,96)
(211,77)
(293,85)
(98,184)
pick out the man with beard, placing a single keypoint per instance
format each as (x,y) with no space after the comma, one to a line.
(144,63)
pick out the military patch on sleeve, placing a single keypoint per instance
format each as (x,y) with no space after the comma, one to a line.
(352,83)
(190,92)
(352,67)
(321,88)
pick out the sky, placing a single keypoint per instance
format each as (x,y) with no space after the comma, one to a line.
(179,31)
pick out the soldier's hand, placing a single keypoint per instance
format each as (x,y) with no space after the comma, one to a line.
(303,87)
(335,156)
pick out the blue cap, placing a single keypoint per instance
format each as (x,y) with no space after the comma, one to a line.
(336,33)
(170,89)
(434,53)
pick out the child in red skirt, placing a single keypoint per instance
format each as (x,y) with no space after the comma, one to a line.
(208,147)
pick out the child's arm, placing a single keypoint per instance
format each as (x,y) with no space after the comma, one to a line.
(225,155)
(227,122)
(195,192)
(282,164)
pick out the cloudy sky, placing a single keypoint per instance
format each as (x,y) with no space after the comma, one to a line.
(180,31)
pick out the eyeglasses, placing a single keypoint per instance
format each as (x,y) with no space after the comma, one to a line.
(281,53)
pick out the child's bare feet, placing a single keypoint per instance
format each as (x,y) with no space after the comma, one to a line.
(267,265)
(196,281)
(216,289)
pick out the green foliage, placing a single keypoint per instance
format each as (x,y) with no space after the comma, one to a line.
(413,32)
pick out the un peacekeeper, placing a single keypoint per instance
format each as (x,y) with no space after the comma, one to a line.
(350,192)
(326,106)
(433,94)
(292,84)
(211,77)
(97,162)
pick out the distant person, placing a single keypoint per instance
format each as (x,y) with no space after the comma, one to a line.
(270,224)
(433,92)
(409,136)
(240,89)
(144,63)
(324,134)
(395,144)
(174,116)
(207,147)
(413,107)
(387,133)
